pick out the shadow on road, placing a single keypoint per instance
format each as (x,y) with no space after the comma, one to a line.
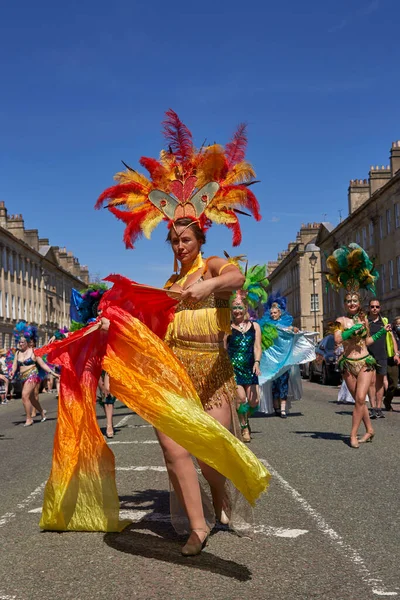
(274,416)
(164,545)
(325,435)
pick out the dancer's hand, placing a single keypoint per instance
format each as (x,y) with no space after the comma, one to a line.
(105,324)
(197,292)
(256,369)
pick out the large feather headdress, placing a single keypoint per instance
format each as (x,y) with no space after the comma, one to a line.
(351,268)
(209,185)
(23,329)
(254,290)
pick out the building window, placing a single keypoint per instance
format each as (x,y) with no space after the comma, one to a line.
(10,263)
(13,311)
(371,233)
(388,220)
(357,237)
(25,313)
(7,307)
(397,215)
(40,313)
(35,312)
(398,271)
(383,276)
(1,305)
(23,267)
(19,308)
(314,303)
(381,227)
(364,237)
(30,310)
(391,286)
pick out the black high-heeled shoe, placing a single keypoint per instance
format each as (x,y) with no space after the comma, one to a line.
(197,547)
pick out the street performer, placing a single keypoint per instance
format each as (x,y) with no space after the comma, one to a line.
(351,268)
(190,400)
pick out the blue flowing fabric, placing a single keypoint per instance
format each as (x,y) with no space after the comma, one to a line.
(288,349)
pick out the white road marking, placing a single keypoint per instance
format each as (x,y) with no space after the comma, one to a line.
(139,426)
(159,469)
(7,517)
(122,422)
(378,588)
(134,442)
(146,516)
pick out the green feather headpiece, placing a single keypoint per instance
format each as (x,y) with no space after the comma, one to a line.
(351,268)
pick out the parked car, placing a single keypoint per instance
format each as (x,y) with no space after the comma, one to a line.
(325,367)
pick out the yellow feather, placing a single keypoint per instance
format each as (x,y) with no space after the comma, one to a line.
(232,199)
(151,222)
(132,177)
(241,172)
(332,265)
(210,166)
(219,216)
(354,258)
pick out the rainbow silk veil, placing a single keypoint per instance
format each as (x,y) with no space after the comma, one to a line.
(145,375)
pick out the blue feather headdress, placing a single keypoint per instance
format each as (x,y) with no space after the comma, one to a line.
(23,329)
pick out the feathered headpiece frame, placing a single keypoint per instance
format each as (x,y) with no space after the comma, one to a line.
(84,304)
(209,185)
(23,329)
(350,267)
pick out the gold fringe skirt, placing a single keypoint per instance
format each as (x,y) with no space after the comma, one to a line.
(209,368)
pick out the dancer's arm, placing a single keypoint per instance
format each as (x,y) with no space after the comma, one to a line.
(257,349)
(225,278)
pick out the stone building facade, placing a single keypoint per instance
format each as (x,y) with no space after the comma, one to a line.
(374,223)
(36,279)
(293,276)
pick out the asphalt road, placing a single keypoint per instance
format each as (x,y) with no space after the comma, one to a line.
(327,528)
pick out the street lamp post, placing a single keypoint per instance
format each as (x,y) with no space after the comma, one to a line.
(313,262)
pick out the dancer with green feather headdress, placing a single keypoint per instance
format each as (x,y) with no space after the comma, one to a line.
(244,343)
(351,268)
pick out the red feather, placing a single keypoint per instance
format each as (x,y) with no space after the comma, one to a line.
(116,191)
(156,170)
(235,228)
(235,151)
(178,136)
(133,221)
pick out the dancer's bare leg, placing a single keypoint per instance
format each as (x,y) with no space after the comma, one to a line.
(109,410)
(358,387)
(184,479)
(27,394)
(34,397)
(215,480)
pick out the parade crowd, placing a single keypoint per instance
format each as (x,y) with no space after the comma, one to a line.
(195,359)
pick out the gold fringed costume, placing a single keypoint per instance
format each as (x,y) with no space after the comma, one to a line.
(210,370)
(207,362)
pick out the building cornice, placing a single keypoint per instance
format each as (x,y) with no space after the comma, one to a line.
(40,257)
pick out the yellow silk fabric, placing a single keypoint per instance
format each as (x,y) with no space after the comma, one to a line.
(147,377)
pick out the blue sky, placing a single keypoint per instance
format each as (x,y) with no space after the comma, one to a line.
(85,84)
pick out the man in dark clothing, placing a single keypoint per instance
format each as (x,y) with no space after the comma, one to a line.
(393,365)
(379,352)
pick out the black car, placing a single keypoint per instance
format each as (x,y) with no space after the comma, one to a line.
(325,367)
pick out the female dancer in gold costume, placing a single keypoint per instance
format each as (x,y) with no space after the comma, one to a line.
(350,267)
